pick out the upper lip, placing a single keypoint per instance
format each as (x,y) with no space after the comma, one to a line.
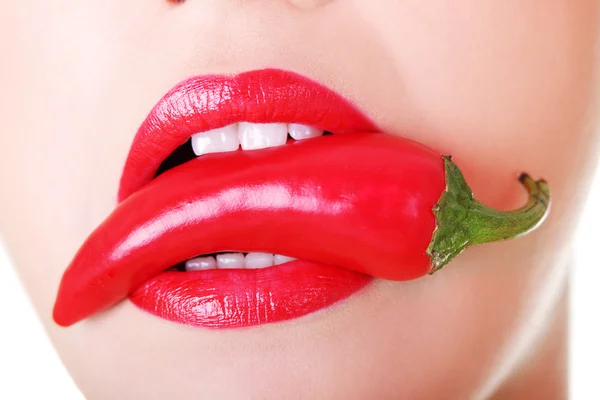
(208,102)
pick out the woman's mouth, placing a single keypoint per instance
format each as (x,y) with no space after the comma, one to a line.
(313,206)
(236,280)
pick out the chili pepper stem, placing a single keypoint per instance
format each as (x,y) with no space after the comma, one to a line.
(462,221)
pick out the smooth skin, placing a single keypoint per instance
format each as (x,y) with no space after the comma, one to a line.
(502,85)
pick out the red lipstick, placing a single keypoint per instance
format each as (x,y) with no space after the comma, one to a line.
(213,298)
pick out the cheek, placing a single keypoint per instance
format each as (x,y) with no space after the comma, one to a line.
(68,118)
(508,62)
(501,75)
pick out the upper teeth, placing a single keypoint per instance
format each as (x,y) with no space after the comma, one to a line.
(216,140)
(236,261)
(250,136)
(299,131)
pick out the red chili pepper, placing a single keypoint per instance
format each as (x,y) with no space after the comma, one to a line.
(373,203)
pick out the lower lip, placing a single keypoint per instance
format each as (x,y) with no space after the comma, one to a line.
(240,298)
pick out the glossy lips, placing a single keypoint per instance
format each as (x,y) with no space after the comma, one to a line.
(212,298)
(236,298)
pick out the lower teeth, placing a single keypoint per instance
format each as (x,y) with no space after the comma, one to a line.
(236,261)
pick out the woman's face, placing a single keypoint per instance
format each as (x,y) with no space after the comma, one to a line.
(503,86)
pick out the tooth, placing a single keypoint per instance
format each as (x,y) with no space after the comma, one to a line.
(259,260)
(279,259)
(200,264)
(299,131)
(259,136)
(230,260)
(216,141)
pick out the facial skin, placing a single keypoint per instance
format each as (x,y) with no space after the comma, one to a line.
(503,86)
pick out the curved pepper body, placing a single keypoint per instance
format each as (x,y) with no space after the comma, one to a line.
(357,201)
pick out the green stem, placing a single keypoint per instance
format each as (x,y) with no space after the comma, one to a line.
(462,221)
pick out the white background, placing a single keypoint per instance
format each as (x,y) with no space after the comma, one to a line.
(30,368)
